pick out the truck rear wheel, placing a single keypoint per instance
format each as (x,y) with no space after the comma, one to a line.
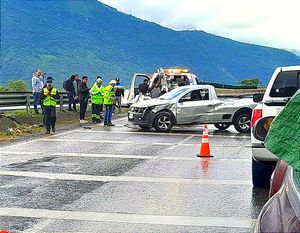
(163,122)
(242,123)
(222,126)
(261,173)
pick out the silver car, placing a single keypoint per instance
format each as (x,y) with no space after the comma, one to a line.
(196,104)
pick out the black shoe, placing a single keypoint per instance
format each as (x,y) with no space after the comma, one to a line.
(37,112)
(53,129)
(48,131)
(98,121)
(111,124)
(70,110)
(105,123)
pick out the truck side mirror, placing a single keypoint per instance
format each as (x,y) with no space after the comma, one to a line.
(258,97)
(261,128)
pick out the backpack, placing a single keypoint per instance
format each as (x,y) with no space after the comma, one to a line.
(67,85)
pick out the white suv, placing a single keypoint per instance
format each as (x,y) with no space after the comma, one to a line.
(283,84)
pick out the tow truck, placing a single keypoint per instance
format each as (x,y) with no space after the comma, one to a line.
(167,78)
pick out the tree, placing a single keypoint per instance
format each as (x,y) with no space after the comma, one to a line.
(250,82)
(14,86)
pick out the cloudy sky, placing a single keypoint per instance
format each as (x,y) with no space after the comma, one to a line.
(273,23)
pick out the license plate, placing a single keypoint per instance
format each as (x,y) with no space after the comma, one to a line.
(130,116)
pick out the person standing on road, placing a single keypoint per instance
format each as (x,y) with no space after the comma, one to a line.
(97,92)
(49,96)
(119,93)
(84,93)
(37,87)
(109,101)
(69,87)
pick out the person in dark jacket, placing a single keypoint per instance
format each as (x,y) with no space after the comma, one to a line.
(49,95)
(119,94)
(71,93)
(84,93)
(144,87)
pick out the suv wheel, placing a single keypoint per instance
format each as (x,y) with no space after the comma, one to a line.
(163,122)
(243,123)
(261,173)
(222,126)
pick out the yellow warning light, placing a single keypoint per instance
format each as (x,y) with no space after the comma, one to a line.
(176,70)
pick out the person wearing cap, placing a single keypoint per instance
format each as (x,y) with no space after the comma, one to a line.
(37,87)
(119,93)
(49,96)
(97,92)
(109,101)
(84,94)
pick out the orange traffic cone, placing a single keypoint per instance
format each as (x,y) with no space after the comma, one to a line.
(204,147)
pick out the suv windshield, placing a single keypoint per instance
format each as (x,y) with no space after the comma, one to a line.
(286,84)
(173,94)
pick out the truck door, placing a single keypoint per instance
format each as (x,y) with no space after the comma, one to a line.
(194,106)
(135,82)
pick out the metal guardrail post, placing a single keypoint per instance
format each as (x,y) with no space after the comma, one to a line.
(27,102)
(61,102)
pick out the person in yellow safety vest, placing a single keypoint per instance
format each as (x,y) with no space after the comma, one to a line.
(109,102)
(49,96)
(97,92)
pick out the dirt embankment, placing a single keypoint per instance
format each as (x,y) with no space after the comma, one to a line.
(15,126)
(238,92)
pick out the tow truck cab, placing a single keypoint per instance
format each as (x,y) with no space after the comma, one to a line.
(168,78)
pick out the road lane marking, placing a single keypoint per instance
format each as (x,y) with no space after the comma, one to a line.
(98,155)
(181,142)
(228,222)
(167,134)
(100,141)
(78,177)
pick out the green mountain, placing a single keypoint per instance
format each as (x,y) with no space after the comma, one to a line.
(63,37)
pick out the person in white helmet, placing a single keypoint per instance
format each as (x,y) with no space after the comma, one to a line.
(109,102)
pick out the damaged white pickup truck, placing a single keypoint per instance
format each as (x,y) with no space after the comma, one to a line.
(197,104)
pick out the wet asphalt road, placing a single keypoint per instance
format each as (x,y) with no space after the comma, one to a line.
(121,179)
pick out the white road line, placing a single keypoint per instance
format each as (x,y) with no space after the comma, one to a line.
(87,140)
(228,222)
(77,177)
(181,142)
(103,155)
(167,134)
(100,141)
(145,157)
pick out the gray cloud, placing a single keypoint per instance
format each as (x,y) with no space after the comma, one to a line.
(266,22)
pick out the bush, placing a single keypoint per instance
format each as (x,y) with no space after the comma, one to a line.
(14,86)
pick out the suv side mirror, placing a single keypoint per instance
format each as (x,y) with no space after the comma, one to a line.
(261,128)
(258,97)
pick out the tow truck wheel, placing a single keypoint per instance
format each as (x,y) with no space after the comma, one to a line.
(242,123)
(163,122)
(222,126)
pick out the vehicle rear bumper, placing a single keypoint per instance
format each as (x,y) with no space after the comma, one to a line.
(260,153)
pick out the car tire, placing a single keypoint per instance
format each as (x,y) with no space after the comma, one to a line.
(261,173)
(222,126)
(242,123)
(163,122)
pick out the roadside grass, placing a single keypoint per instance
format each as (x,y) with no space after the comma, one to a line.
(20,113)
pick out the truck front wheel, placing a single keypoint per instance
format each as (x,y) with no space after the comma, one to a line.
(163,122)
